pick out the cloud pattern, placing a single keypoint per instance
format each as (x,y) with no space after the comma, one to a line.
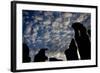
(51,29)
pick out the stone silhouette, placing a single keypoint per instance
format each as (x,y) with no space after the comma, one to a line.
(71,52)
(41,57)
(26,57)
(82,40)
(55,59)
(89,33)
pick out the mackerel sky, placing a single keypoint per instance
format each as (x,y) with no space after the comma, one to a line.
(51,29)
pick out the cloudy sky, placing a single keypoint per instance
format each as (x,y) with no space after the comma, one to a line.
(51,29)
